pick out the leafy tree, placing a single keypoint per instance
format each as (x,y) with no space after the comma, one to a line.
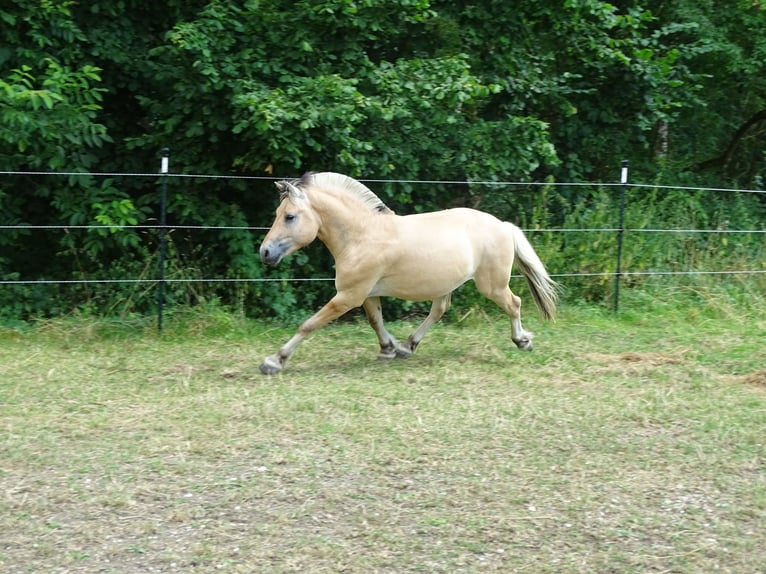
(400,90)
(723,138)
(49,120)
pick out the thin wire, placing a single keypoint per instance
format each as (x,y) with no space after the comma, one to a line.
(688,188)
(126,174)
(212,280)
(660,273)
(262,228)
(310,279)
(396,181)
(273,178)
(399,181)
(643,230)
(199,227)
(697,230)
(648,273)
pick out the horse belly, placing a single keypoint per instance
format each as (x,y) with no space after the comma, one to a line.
(428,270)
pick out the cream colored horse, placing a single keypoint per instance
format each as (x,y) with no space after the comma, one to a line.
(422,257)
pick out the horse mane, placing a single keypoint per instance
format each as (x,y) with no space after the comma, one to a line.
(348,185)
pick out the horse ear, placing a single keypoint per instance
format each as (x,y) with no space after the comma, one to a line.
(287,189)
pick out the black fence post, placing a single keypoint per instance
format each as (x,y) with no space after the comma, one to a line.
(163,233)
(620,233)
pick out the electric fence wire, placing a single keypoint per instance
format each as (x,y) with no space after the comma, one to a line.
(381,181)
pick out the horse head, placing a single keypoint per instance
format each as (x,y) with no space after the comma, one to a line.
(295,225)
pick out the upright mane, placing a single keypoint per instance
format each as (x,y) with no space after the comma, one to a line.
(348,185)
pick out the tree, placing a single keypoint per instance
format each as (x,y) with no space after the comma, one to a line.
(723,138)
(400,89)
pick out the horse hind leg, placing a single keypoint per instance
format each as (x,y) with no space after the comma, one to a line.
(439,306)
(521,337)
(511,304)
(374,312)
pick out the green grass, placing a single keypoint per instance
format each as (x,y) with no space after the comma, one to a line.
(621,444)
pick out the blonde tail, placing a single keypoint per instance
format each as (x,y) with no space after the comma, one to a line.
(544,289)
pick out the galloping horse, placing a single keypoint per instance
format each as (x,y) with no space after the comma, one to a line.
(422,257)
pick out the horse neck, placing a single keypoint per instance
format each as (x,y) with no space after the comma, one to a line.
(342,220)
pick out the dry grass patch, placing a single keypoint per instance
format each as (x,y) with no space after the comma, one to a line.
(595,453)
(757,378)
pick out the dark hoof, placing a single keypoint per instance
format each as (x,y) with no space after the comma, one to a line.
(525,344)
(270,366)
(405,351)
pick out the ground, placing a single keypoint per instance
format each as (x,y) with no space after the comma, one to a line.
(621,444)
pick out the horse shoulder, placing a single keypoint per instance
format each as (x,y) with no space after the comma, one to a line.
(371,244)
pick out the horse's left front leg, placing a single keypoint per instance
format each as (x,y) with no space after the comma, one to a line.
(336,307)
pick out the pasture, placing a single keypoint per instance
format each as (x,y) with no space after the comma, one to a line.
(624,444)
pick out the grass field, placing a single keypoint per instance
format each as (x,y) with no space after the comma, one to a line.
(625,444)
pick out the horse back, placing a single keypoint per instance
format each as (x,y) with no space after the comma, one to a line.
(460,228)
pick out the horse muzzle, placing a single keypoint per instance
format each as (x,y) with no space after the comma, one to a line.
(272,252)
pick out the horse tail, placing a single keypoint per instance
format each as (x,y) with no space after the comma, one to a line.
(544,289)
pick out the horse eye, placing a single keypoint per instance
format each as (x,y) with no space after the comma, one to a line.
(290,217)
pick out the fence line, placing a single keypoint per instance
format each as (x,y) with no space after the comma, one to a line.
(164,175)
(262,228)
(400,181)
(310,279)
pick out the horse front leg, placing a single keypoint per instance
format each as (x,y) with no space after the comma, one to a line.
(336,307)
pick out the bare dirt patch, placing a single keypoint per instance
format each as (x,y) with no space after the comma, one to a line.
(633,363)
(756,379)
(638,358)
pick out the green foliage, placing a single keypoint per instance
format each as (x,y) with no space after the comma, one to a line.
(401,89)
(653,250)
(48,121)
(719,139)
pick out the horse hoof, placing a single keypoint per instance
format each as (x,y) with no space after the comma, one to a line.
(525,344)
(525,341)
(270,366)
(387,355)
(403,352)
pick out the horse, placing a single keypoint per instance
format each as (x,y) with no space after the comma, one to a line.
(419,257)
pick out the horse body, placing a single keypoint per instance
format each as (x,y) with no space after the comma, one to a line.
(415,257)
(436,252)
